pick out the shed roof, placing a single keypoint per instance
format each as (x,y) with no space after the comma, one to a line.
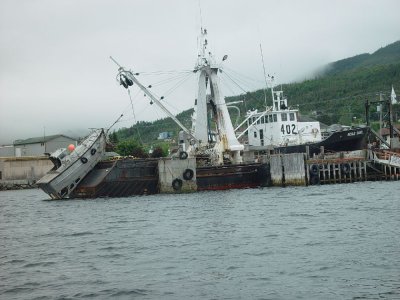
(41,139)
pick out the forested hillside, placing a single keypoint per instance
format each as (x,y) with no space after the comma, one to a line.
(335,96)
(147,132)
(384,56)
(339,98)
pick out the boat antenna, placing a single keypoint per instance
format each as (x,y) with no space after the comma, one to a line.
(201,17)
(112,58)
(119,118)
(265,77)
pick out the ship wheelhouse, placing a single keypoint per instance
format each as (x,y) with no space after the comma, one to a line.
(280,126)
(272,128)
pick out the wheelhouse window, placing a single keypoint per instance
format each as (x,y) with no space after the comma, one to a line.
(275,118)
(284,116)
(262,120)
(291,116)
(270,119)
(255,134)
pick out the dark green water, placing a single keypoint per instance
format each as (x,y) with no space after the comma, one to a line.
(320,242)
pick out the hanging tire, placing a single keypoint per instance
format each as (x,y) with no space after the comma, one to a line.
(314,180)
(177,184)
(345,168)
(314,169)
(93,151)
(84,160)
(188,174)
(183,155)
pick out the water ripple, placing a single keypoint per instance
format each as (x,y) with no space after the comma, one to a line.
(322,242)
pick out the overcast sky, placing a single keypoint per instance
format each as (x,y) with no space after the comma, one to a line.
(56,75)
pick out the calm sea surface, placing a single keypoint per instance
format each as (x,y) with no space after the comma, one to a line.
(320,242)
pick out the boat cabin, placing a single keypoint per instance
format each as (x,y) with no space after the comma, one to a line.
(280,126)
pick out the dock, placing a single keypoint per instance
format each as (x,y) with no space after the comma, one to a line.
(22,172)
(343,167)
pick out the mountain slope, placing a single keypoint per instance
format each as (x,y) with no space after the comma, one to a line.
(386,55)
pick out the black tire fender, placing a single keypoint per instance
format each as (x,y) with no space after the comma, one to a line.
(183,155)
(314,180)
(345,168)
(188,174)
(93,151)
(314,169)
(177,184)
(84,160)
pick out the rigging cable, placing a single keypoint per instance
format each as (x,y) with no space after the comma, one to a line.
(134,117)
(235,82)
(223,81)
(165,72)
(245,80)
(170,79)
(177,85)
(247,93)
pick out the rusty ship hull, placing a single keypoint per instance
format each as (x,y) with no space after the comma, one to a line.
(120,178)
(231,177)
(130,177)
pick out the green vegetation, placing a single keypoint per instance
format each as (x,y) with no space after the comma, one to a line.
(160,150)
(147,132)
(336,95)
(113,138)
(384,56)
(131,147)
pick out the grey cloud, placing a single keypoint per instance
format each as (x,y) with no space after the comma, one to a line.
(54,66)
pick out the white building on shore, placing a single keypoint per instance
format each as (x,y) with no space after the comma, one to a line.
(36,146)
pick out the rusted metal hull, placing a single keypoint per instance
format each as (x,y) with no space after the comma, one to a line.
(232,177)
(120,178)
(130,177)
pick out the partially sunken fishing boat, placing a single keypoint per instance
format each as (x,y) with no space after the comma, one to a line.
(70,168)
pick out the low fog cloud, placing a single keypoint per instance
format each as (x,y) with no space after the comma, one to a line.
(56,75)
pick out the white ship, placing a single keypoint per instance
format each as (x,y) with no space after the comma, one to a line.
(278,129)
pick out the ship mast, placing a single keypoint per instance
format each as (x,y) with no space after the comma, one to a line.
(208,69)
(226,144)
